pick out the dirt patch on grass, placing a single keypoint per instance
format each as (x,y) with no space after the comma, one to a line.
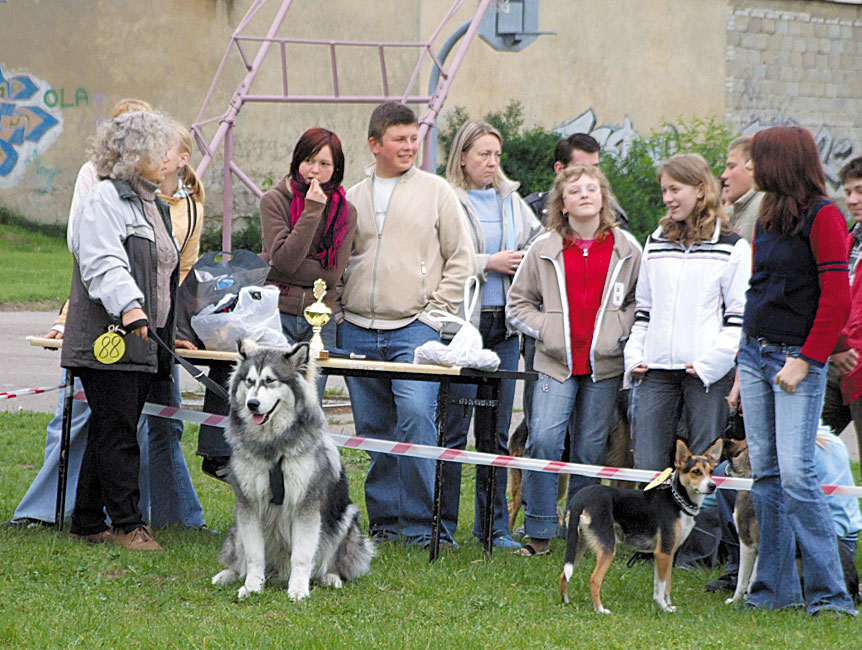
(32,305)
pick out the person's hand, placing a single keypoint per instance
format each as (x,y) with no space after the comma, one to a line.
(689,369)
(314,192)
(793,372)
(639,371)
(845,361)
(182,344)
(53,334)
(505,261)
(131,316)
(732,398)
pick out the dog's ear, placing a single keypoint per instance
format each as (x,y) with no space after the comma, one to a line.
(682,454)
(713,454)
(245,347)
(298,355)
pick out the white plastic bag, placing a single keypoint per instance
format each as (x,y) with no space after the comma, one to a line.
(465,349)
(255,316)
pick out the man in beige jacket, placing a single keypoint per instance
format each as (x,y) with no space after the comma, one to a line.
(740,199)
(411,254)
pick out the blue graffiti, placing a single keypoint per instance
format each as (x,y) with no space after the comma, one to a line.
(20,123)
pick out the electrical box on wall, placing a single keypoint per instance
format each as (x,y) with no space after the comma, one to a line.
(512,25)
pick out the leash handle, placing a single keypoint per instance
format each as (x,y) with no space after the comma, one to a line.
(192,369)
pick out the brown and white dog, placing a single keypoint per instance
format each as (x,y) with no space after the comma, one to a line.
(657,520)
(739,466)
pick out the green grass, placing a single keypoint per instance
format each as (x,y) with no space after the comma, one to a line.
(35,269)
(57,593)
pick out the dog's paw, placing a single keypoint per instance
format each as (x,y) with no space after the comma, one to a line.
(297,592)
(224,577)
(331,580)
(669,608)
(252,585)
(602,610)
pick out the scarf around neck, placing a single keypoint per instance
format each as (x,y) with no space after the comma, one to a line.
(336,220)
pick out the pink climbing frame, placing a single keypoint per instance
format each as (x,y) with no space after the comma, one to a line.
(241,42)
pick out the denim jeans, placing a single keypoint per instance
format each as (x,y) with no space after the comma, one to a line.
(656,406)
(399,490)
(297,330)
(590,407)
(173,499)
(40,501)
(781,429)
(492,326)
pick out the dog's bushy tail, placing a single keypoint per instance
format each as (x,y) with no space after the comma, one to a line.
(356,551)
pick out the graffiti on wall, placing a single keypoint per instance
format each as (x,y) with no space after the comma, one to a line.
(28,125)
(616,139)
(834,152)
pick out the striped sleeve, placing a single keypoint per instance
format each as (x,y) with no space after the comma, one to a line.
(829,245)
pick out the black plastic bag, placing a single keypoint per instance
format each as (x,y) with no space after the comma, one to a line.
(213,276)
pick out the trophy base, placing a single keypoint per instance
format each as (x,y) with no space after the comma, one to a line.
(321,355)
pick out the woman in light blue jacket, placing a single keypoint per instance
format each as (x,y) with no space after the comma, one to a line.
(501,226)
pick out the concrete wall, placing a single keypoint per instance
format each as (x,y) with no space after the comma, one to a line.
(613,67)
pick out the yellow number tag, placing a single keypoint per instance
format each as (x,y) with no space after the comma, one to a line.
(109,348)
(658,480)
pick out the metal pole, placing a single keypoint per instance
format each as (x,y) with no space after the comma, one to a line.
(227,194)
(63,462)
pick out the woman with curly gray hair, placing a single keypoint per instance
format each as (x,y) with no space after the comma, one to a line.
(124,281)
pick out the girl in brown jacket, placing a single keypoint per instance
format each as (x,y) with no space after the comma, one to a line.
(308,228)
(573,293)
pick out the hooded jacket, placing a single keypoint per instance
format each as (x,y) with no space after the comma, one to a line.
(538,306)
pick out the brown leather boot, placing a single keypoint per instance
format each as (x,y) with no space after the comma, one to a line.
(95,538)
(140,539)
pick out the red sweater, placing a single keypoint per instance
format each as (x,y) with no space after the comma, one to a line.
(586,271)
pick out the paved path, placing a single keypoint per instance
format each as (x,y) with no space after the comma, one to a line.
(25,366)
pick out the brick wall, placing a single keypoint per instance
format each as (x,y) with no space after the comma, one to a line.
(798,63)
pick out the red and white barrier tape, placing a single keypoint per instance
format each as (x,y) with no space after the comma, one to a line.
(27,391)
(477,457)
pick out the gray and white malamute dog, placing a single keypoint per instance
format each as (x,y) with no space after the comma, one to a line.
(294,517)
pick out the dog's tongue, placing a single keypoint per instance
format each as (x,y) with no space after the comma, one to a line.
(257,418)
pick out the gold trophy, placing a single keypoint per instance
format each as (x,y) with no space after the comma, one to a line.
(317,314)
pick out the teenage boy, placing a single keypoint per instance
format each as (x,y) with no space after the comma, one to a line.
(740,198)
(742,203)
(411,254)
(843,401)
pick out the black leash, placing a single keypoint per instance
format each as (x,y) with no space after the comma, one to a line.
(192,369)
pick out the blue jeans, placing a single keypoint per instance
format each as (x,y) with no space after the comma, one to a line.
(493,329)
(297,330)
(656,406)
(590,406)
(781,429)
(173,499)
(40,501)
(399,490)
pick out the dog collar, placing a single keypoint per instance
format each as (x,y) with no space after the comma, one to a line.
(681,498)
(276,482)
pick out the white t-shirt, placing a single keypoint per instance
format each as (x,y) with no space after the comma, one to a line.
(383,188)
